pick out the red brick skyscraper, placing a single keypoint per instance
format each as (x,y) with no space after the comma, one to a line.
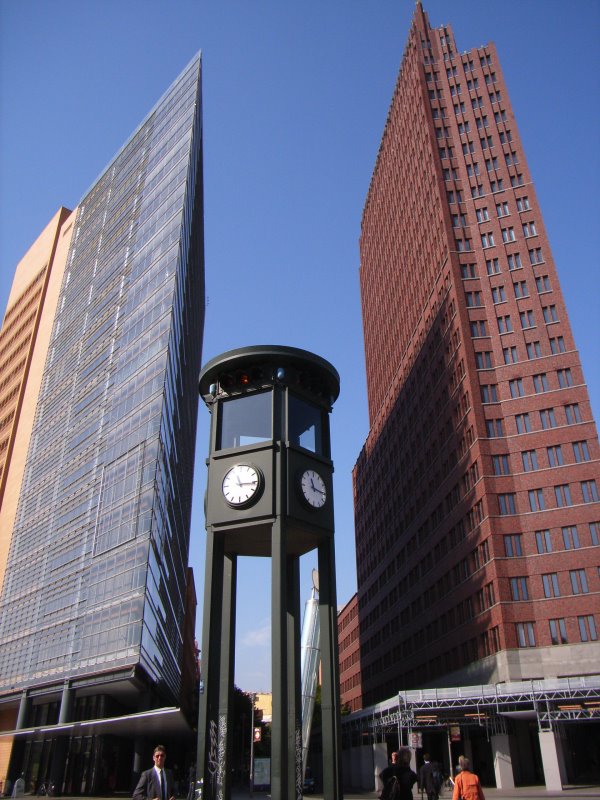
(476,493)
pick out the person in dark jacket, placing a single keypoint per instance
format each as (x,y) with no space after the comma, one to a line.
(156,783)
(427,782)
(398,774)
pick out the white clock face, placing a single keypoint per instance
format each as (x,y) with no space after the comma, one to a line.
(313,488)
(241,484)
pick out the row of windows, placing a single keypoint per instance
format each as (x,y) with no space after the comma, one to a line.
(501,463)
(516,386)
(507,502)
(525,631)
(495,427)
(513,542)
(519,585)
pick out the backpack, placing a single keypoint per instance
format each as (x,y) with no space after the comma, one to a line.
(438,778)
(392,790)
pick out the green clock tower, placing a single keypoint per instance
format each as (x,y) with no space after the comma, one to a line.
(269,494)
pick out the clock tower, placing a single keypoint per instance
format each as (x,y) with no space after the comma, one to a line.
(269,493)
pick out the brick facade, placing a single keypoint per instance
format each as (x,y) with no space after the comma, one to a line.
(482,437)
(349,655)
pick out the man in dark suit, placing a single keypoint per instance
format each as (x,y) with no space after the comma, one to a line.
(156,783)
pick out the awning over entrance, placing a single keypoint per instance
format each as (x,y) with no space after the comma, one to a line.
(162,722)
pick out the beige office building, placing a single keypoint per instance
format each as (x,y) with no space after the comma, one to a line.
(24,341)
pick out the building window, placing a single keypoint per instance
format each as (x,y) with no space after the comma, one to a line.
(502,209)
(555,456)
(468,271)
(558,631)
(527,319)
(489,393)
(523,203)
(543,542)
(516,387)
(478,328)
(463,245)
(564,378)
(494,428)
(529,459)
(535,256)
(518,588)
(523,423)
(572,413)
(534,350)
(514,261)
(501,465)
(510,355)
(525,634)
(587,628)
(512,545)
(504,324)
(498,294)
(507,504)
(579,583)
(562,495)
(496,186)
(570,537)
(550,584)
(505,136)
(516,180)
(550,314)
(487,239)
(595,532)
(540,383)
(589,491)
(483,359)
(557,345)
(521,290)
(529,229)
(542,283)
(508,235)
(477,191)
(581,451)
(482,214)
(547,418)
(492,266)
(473,299)
(536,500)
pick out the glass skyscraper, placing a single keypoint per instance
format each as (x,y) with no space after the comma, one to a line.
(95,582)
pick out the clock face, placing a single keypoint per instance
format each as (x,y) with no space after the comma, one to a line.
(241,485)
(313,488)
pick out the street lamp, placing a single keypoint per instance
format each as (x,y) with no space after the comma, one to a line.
(252,696)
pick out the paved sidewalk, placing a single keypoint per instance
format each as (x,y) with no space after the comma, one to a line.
(522,793)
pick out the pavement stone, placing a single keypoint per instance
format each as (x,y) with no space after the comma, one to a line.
(521,793)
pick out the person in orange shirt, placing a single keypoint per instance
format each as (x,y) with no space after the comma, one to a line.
(467,785)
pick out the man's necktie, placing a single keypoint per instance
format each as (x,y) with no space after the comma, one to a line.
(163,794)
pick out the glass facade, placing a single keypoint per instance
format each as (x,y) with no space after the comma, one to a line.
(96,572)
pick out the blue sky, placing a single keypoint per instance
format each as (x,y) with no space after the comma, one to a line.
(295,100)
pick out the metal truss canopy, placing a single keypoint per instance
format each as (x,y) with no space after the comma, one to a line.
(559,700)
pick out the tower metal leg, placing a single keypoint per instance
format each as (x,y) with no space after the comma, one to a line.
(279,663)
(218,656)
(294,689)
